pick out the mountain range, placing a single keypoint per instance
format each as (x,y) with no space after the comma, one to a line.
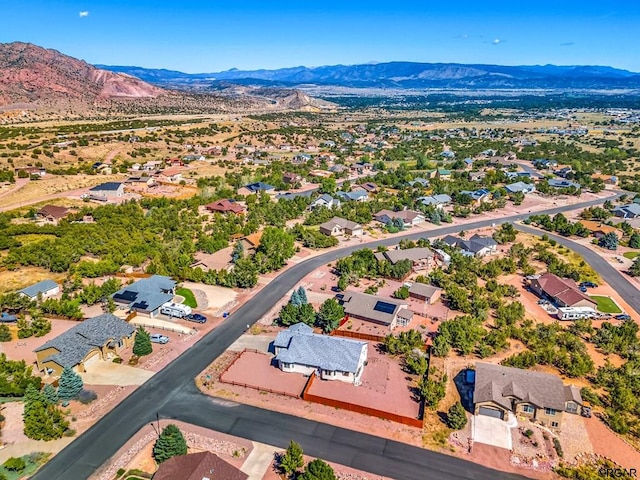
(404,75)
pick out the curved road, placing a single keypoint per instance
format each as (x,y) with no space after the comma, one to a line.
(173,395)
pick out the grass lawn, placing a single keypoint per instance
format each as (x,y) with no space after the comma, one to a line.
(631,255)
(189,298)
(606,305)
(32,461)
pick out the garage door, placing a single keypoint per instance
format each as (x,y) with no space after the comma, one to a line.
(94,358)
(490,412)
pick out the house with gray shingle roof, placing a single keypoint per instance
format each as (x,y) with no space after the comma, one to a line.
(146,295)
(45,288)
(95,339)
(379,310)
(542,397)
(299,350)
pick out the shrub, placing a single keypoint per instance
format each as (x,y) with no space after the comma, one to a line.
(558,447)
(456,416)
(15,464)
(528,433)
(117,360)
(87,396)
(170,444)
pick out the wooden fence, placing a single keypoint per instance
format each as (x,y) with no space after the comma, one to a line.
(373,412)
(360,336)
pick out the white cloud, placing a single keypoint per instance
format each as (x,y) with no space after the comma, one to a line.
(496,41)
(84,13)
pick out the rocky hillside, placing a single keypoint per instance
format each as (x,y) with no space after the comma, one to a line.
(35,75)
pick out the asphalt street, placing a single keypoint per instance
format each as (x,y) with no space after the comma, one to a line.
(172,394)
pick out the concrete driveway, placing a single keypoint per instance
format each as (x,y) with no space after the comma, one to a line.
(256,342)
(492,431)
(109,373)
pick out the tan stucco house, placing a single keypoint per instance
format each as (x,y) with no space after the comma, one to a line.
(95,339)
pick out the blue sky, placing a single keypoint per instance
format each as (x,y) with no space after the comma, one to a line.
(210,35)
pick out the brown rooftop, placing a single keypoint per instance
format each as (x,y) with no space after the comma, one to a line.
(53,211)
(198,466)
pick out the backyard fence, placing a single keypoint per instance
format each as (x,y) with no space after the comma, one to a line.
(165,328)
(373,412)
(360,336)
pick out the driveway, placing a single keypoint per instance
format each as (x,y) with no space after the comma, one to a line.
(256,342)
(109,373)
(491,431)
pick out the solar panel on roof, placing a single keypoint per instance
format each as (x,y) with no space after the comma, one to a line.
(384,307)
(127,296)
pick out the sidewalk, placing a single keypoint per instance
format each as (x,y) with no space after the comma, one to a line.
(258,461)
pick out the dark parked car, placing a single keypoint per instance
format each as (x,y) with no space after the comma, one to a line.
(196,317)
(588,284)
(583,288)
(585,411)
(623,316)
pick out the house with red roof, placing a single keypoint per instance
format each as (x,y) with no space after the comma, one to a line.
(563,291)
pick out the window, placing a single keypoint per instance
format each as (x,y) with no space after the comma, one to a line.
(554,424)
(287,365)
(528,409)
(345,374)
(549,411)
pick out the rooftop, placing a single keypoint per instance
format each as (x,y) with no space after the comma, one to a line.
(383,310)
(32,291)
(108,186)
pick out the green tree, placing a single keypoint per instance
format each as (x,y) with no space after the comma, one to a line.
(318,470)
(50,394)
(238,252)
(302,295)
(70,384)
(329,315)
(142,343)
(5,333)
(456,416)
(328,185)
(505,234)
(276,246)
(295,299)
(416,363)
(292,460)
(15,464)
(170,443)
(609,241)
(42,421)
(634,269)
(402,292)
(634,240)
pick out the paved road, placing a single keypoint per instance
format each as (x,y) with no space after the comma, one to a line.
(613,277)
(172,394)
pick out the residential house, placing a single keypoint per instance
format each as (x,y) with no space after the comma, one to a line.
(563,291)
(542,397)
(52,214)
(542,163)
(339,226)
(439,200)
(198,466)
(193,158)
(250,243)
(478,197)
(610,180)
(291,178)
(448,154)
(95,339)
(299,350)
(32,171)
(226,205)
(44,289)
(443,174)
(520,187)
(426,293)
(325,200)
(172,174)
(294,195)
(631,210)
(409,218)
(563,172)
(354,196)
(477,245)
(107,190)
(421,258)
(477,176)
(513,175)
(141,180)
(419,181)
(219,260)
(598,229)
(381,311)
(338,168)
(8,318)
(468,163)
(146,296)
(255,188)
(366,186)
(558,183)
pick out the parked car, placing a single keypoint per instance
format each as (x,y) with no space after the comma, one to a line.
(159,338)
(196,317)
(583,288)
(623,316)
(589,284)
(585,411)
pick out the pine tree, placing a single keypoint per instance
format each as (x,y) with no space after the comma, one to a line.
(42,420)
(302,295)
(50,394)
(70,385)
(142,344)
(295,298)
(634,240)
(318,470)
(456,416)
(329,315)
(170,444)
(292,460)
(5,333)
